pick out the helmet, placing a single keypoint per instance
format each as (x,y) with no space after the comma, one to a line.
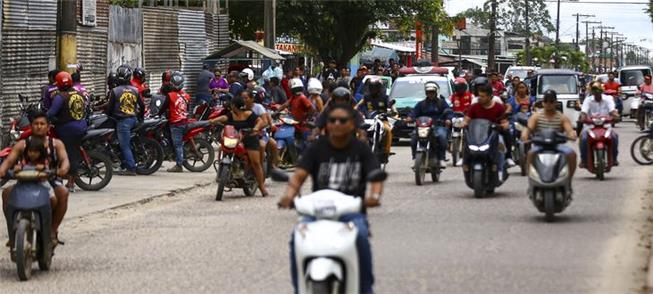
(63,80)
(479,81)
(165,77)
(341,93)
(431,86)
(177,80)
(460,85)
(375,85)
(124,74)
(112,79)
(550,95)
(247,73)
(296,85)
(314,86)
(259,93)
(139,74)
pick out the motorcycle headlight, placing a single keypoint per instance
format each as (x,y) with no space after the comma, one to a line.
(230,142)
(423,132)
(591,134)
(532,173)
(484,147)
(473,147)
(457,122)
(564,171)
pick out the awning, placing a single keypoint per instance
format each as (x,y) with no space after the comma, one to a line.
(241,48)
(395,47)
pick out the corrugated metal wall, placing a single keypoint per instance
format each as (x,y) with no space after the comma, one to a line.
(28,50)
(193,46)
(92,44)
(160,42)
(125,37)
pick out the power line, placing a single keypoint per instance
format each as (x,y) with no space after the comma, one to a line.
(597,2)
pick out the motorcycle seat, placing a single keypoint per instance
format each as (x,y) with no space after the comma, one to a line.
(96,133)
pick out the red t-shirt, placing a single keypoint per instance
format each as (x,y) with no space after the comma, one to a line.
(178,107)
(461,103)
(497,88)
(611,86)
(493,114)
(140,86)
(299,108)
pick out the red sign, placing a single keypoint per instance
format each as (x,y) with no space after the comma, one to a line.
(292,48)
(418,40)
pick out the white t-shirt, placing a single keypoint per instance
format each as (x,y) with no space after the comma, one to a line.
(258,109)
(592,108)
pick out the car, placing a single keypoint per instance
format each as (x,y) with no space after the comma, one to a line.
(631,77)
(363,89)
(408,91)
(565,82)
(519,71)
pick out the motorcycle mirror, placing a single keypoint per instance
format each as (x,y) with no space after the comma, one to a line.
(377,175)
(279,176)
(392,102)
(158,103)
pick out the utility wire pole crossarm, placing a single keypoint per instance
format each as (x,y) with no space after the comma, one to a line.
(578,16)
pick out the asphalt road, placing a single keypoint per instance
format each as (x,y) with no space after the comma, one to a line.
(431,239)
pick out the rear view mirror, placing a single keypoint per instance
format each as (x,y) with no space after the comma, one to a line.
(377,175)
(279,176)
(392,102)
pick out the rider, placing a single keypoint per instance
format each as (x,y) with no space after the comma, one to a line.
(314,92)
(68,114)
(340,95)
(58,162)
(497,85)
(341,163)
(378,102)
(597,105)
(176,107)
(521,101)
(461,99)
(300,107)
(645,88)
(434,107)
(613,86)
(242,118)
(551,118)
(127,108)
(48,90)
(488,108)
(139,82)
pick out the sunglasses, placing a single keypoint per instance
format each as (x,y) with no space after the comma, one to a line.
(341,120)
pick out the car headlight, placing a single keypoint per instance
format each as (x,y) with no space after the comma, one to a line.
(230,142)
(423,132)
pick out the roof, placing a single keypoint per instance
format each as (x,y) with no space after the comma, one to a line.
(635,67)
(240,49)
(421,77)
(423,70)
(396,47)
(551,71)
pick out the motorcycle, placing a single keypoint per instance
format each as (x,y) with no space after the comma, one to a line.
(520,149)
(323,267)
(457,135)
(29,222)
(376,135)
(95,164)
(426,157)
(481,173)
(600,157)
(617,100)
(285,137)
(549,183)
(645,105)
(232,167)
(206,111)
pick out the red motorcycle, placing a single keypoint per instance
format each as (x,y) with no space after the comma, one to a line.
(232,166)
(207,111)
(600,159)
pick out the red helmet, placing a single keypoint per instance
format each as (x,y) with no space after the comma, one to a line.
(460,81)
(63,80)
(460,85)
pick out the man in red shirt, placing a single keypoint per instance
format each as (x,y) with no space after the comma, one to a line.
(299,106)
(461,99)
(138,81)
(497,85)
(611,84)
(176,107)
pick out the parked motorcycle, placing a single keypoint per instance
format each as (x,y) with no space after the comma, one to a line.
(457,136)
(426,155)
(641,150)
(321,266)
(96,168)
(481,173)
(520,149)
(29,222)
(549,184)
(600,157)
(232,167)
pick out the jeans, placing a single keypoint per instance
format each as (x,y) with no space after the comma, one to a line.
(362,246)
(441,135)
(583,146)
(124,127)
(177,134)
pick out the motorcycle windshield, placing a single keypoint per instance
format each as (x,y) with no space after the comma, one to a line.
(549,165)
(424,121)
(478,131)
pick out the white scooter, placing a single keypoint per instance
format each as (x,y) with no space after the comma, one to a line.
(325,250)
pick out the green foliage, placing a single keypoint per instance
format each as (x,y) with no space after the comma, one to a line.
(512,16)
(649,10)
(125,3)
(569,57)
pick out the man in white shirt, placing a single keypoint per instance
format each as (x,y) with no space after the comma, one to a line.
(597,105)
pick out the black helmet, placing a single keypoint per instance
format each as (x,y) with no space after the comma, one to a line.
(341,93)
(112,80)
(124,74)
(177,80)
(139,74)
(550,95)
(479,81)
(375,85)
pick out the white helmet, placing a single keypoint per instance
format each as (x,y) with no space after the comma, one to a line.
(249,72)
(296,85)
(431,86)
(314,86)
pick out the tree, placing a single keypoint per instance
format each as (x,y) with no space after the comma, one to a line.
(513,16)
(569,57)
(245,18)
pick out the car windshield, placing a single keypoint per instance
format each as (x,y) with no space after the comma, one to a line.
(521,73)
(415,89)
(633,77)
(365,90)
(562,84)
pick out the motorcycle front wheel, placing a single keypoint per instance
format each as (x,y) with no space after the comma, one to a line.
(477,182)
(642,146)
(199,158)
(98,169)
(420,168)
(222,178)
(23,249)
(455,150)
(600,164)
(549,205)
(149,156)
(321,287)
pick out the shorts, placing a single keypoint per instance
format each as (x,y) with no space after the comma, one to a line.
(265,138)
(251,142)
(566,150)
(51,184)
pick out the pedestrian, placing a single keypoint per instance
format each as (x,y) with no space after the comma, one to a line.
(330,72)
(277,94)
(358,79)
(127,108)
(273,71)
(203,94)
(235,86)
(68,111)
(219,86)
(344,75)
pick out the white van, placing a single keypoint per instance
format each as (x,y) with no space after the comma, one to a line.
(630,78)
(565,83)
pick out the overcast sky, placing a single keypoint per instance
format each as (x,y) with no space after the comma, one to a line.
(627,19)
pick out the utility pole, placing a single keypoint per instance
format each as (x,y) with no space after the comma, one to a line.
(270,15)
(527,47)
(587,35)
(557,47)
(602,60)
(67,34)
(493,29)
(578,16)
(593,49)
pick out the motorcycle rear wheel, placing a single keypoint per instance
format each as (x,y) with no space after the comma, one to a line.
(150,156)
(642,146)
(477,182)
(419,168)
(23,250)
(549,205)
(204,154)
(101,167)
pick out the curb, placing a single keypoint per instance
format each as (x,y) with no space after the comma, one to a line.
(649,273)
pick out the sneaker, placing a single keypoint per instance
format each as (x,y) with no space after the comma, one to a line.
(443,163)
(175,169)
(510,162)
(125,172)
(459,162)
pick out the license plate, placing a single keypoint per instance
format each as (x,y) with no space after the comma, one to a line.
(410,125)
